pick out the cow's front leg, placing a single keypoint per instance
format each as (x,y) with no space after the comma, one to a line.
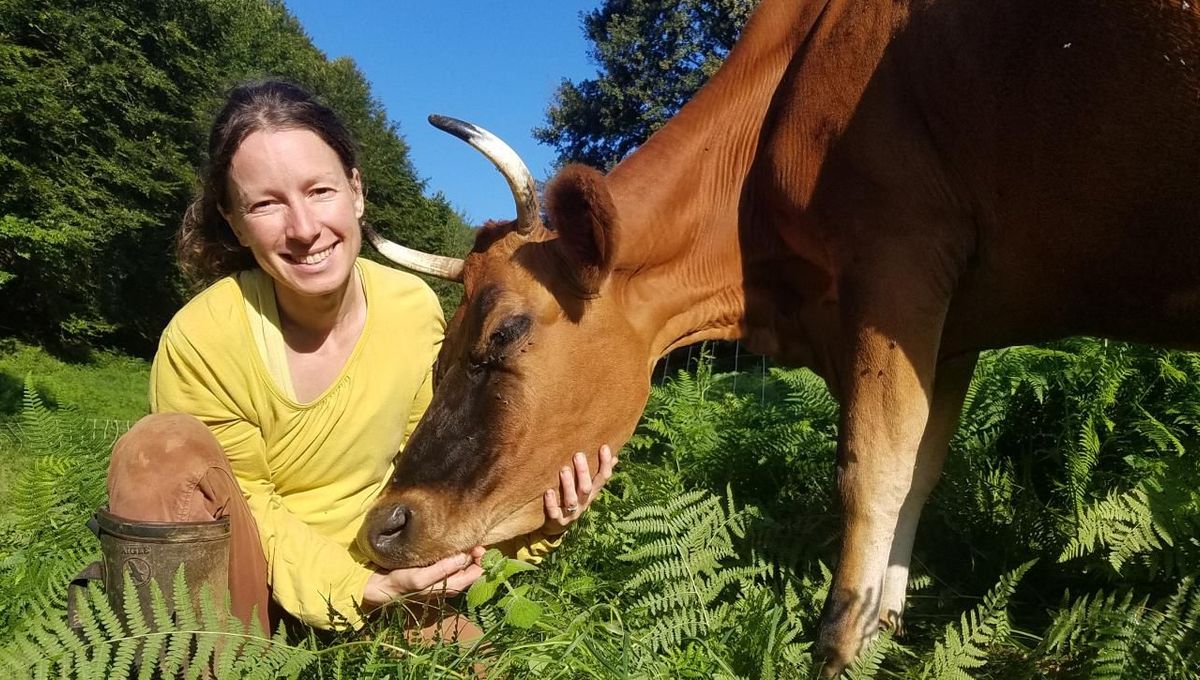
(949,388)
(885,383)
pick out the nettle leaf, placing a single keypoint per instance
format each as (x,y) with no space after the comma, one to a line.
(522,612)
(512,566)
(493,561)
(497,569)
(481,591)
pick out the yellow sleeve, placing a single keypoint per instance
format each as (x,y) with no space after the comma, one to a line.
(531,548)
(308,572)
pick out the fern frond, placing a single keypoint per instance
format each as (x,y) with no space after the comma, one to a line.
(1096,631)
(40,431)
(681,572)
(204,651)
(869,662)
(111,646)
(1122,523)
(964,647)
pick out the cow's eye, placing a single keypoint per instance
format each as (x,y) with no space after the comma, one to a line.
(507,333)
(500,342)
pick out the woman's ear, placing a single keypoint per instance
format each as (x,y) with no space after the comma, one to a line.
(359,196)
(582,212)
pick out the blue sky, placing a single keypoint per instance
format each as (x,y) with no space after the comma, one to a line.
(493,63)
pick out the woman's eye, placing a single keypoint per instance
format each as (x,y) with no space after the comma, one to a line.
(261,206)
(323,192)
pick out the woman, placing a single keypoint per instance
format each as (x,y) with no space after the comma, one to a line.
(301,373)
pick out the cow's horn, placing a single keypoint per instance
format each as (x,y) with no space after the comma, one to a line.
(520,180)
(449,268)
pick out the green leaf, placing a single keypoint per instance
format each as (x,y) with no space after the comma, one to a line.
(512,566)
(481,591)
(522,612)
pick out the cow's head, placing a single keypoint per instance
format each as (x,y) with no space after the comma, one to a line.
(540,361)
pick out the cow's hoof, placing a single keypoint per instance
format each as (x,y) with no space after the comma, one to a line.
(892,621)
(846,627)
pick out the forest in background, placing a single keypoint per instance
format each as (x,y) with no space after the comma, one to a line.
(104,110)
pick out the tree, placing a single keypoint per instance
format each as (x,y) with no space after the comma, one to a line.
(653,55)
(104,107)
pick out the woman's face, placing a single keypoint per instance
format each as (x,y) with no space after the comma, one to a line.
(292,205)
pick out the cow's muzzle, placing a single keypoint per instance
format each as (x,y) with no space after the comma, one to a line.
(389,529)
(387,535)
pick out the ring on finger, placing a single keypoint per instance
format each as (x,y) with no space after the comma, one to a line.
(570,509)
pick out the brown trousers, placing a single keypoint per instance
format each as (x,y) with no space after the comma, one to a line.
(170,468)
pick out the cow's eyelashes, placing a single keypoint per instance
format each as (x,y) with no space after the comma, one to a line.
(501,340)
(508,332)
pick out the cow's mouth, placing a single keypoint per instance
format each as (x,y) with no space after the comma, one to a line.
(516,523)
(391,544)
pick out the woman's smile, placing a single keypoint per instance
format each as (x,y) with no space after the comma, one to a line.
(313,258)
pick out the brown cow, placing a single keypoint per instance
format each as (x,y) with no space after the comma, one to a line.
(877,190)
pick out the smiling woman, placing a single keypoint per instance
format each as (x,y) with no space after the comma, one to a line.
(282,393)
(293,206)
(296,211)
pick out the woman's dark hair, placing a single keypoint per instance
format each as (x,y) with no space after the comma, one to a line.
(206,245)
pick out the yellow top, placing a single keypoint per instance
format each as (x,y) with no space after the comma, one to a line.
(309,472)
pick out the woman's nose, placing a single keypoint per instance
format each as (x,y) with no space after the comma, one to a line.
(302,225)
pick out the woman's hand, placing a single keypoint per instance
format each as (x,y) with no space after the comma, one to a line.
(448,576)
(579,489)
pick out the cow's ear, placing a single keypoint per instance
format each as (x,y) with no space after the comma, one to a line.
(581,210)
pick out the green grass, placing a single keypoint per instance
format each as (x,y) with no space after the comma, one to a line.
(107,387)
(1074,467)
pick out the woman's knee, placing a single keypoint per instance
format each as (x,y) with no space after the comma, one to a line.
(166,440)
(157,462)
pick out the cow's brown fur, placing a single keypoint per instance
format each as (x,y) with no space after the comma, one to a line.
(878,190)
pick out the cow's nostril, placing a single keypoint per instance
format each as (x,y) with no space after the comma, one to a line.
(393,525)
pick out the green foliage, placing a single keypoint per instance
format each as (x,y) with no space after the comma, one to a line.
(104,107)
(107,390)
(519,610)
(666,576)
(870,661)
(681,572)
(1083,451)
(773,440)
(1122,524)
(652,57)
(183,642)
(59,471)
(964,647)
(1111,636)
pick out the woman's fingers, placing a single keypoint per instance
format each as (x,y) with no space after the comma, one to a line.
(578,488)
(423,578)
(607,462)
(583,477)
(460,581)
(554,511)
(448,576)
(463,578)
(570,494)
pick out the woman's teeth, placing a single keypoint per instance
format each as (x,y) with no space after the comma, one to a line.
(314,258)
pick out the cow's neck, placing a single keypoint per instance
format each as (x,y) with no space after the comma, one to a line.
(680,192)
